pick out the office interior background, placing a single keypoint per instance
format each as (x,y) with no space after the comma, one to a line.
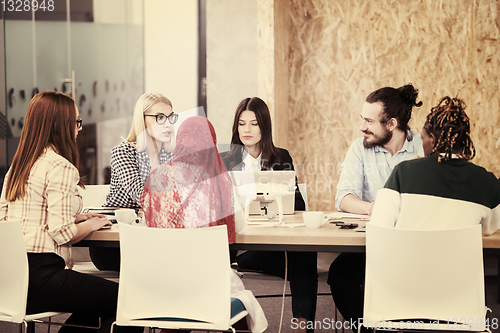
(313,61)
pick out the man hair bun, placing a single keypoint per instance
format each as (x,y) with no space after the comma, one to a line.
(409,95)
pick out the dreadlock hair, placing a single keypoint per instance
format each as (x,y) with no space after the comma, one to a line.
(450,125)
(397,103)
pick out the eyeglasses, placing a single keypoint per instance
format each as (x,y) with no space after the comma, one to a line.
(161,118)
(79,123)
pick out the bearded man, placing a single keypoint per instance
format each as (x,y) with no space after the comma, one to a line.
(387,141)
(368,164)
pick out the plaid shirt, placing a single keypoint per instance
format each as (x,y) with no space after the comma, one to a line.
(129,171)
(48,210)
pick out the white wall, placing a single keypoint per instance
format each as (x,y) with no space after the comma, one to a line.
(232,58)
(171,55)
(171,50)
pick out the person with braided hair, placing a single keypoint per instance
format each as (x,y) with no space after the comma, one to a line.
(447,130)
(443,190)
(440,191)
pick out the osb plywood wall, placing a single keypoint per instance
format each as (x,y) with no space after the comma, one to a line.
(274,39)
(341,50)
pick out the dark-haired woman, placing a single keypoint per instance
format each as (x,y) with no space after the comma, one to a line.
(252,148)
(41,193)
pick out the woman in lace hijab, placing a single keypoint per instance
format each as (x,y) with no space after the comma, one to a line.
(195,189)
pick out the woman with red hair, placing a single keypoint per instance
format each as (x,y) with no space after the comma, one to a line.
(41,192)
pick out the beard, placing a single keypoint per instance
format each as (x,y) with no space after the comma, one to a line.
(377,140)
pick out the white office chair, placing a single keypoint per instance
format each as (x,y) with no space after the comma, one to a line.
(14,278)
(94,195)
(303,191)
(415,277)
(175,278)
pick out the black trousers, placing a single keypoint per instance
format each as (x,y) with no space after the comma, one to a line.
(105,258)
(346,278)
(302,275)
(54,288)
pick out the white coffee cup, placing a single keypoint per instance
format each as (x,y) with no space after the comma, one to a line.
(125,215)
(313,220)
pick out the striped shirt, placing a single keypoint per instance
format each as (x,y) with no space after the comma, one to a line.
(48,210)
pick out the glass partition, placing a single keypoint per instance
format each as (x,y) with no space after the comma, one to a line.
(93,49)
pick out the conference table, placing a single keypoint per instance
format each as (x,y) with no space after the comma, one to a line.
(291,236)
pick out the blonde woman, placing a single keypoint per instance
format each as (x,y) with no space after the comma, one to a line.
(149,144)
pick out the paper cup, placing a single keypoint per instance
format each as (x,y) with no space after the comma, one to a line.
(313,220)
(125,215)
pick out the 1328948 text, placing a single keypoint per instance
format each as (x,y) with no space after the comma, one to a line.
(27,5)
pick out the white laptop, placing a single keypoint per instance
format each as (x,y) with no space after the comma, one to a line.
(250,183)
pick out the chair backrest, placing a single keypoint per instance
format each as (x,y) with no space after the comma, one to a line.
(13,272)
(424,274)
(303,191)
(172,274)
(94,195)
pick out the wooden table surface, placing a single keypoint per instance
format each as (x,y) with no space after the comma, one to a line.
(293,236)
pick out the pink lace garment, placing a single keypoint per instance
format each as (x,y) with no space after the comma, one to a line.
(195,189)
